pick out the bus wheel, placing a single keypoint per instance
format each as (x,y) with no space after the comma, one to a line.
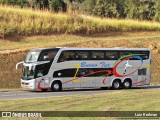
(127,84)
(56,86)
(116,84)
(44,90)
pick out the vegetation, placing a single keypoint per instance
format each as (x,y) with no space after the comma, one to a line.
(122,100)
(132,9)
(16,21)
(14,50)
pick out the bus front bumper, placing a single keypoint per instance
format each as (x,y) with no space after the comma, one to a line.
(28,84)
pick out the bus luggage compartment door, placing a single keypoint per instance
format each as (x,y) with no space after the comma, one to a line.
(71,82)
(88,82)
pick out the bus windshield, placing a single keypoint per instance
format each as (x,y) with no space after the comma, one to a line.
(35,56)
(32,57)
(28,73)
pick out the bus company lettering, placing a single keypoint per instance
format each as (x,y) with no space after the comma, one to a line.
(101,64)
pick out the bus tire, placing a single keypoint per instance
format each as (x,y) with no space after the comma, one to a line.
(56,86)
(127,84)
(44,90)
(116,84)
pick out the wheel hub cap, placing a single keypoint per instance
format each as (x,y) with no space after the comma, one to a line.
(116,84)
(56,86)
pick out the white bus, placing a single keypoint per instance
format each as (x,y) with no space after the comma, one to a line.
(59,68)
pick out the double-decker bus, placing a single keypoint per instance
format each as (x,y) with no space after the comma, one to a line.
(59,68)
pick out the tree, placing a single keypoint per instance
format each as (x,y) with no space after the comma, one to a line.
(107,8)
(21,3)
(142,9)
(32,3)
(157,11)
(132,9)
(43,4)
(74,5)
(87,6)
(57,5)
(147,10)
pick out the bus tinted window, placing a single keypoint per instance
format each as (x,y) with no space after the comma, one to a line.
(65,73)
(111,55)
(82,72)
(73,55)
(66,56)
(81,55)
(124,53)
(97,55)
(47,55)
(143,54)
(142,71)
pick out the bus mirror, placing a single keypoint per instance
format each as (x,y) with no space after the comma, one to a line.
(19,64)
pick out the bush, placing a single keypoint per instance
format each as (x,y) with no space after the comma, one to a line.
(57,5)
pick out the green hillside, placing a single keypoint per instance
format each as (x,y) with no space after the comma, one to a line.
(17,21)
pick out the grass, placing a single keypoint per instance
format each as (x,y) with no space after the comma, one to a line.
(14,52)
(26,43)
(15,21)
(112,100)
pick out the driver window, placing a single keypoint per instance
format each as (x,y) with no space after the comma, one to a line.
(40,73)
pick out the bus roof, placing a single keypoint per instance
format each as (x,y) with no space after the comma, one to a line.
(43,49)
(116,48)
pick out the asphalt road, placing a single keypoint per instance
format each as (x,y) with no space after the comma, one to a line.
(15,95)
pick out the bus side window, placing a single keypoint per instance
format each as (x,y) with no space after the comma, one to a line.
(124,53)
(47,56)
(43,56)
(82,72)
(66,56)
(81,55)
(97,55)
(145,55)
(111,55)
(135,53)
